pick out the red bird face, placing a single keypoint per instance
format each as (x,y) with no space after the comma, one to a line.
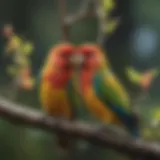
(93,56)
(62,56)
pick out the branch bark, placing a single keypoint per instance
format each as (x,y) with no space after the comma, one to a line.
(77,129)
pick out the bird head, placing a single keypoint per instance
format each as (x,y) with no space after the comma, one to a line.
(62,57)
(92,57)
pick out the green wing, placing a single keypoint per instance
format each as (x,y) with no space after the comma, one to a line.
(112,89)
(112,94)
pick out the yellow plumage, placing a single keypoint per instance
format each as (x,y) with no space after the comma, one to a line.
(54,100)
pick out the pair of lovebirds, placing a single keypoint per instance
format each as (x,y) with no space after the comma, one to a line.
(83,69)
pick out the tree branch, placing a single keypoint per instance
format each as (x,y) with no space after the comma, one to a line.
(76,129)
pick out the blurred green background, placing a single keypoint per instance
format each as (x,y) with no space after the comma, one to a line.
(135,42)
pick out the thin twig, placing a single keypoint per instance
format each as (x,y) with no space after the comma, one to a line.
(72,19)
(77,129)
(86,11)
(63,13)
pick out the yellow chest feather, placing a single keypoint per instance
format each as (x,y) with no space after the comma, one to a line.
(55,101)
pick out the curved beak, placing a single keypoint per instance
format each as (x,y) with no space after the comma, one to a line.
(77,60)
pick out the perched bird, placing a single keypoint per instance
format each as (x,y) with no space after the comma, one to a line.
(55,86)
(104,95)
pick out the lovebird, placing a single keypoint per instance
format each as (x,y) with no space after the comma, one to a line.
(56,88)
(104,95)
